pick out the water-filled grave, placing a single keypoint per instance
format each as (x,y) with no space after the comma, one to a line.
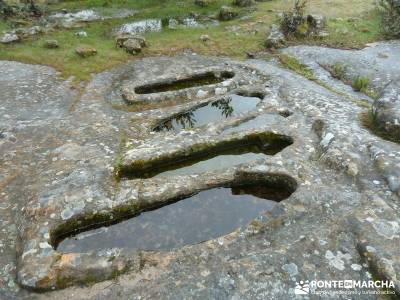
(203,216)
(203,158)
(194,80)
(210,112)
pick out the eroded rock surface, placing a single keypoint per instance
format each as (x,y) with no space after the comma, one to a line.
(61,151)
(386,110)
(378,62)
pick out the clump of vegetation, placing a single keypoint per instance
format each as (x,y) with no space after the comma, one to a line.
(338,71)
(204,3)
(22,8)
(368,120)
(243,3)
(390,17)
(294,19)
(293,64)
(360,84)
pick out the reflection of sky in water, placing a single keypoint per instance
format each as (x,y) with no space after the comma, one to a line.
(217,163)
(212,112)
(261,121)
(204,216)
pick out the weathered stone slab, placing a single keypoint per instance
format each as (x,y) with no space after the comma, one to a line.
(169,79)
(58,174)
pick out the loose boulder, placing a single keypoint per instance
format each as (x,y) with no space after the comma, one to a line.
(20,34)
(131,43)
(204,38)
(85,51)
(51,44)
(132,46)
(227,13)
(81,34)
(21,8)
(8,38)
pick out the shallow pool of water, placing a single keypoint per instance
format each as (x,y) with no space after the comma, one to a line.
(206,215)
(194,80)
(216,157)
(217,163)
(211,112)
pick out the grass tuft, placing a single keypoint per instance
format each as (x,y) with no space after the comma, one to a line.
(360,84)
(368,120)
(338,71)
(293,64)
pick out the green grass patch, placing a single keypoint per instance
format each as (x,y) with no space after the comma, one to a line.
(146,8)
(351,33)
(167,42)
(3,26)
(64,58)
(360,84)
(354,32)
(293,64)
(250,36)
(221,43)
(337,71)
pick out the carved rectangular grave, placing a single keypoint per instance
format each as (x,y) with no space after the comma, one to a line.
(202,158)
(210,112)
(203,216)
(195,80)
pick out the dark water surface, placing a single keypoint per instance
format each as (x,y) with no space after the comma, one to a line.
(206,215)
(216,163)
(211,112)
(195,80)
(248,150)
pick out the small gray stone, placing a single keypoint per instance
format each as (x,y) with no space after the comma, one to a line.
(81,34)
(51,44)
(132,46)
(85,51)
